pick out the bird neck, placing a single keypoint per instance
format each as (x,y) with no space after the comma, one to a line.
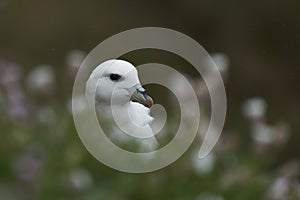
(106,108)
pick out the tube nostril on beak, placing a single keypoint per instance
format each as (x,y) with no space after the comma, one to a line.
(141,89)
(141,96)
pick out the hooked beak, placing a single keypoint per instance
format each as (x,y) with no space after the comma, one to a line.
(140,95)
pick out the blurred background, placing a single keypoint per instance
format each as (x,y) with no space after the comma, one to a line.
(256,45)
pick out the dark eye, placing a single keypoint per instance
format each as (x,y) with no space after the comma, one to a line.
(115,77)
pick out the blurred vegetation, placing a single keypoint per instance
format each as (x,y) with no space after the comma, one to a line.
(257,156)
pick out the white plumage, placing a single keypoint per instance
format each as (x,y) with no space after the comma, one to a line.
(112,84)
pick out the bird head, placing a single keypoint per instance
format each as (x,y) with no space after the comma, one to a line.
(116,80)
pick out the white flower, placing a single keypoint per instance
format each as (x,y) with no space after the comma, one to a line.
(254,107)
(74,58)
(81,179)
(10,75)
(18,106)
(205,165)
(222,61)
(41,79)
(264,133)
(279,189)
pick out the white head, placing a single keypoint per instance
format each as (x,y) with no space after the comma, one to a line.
(117,79)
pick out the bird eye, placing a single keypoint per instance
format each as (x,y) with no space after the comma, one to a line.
(115,77)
